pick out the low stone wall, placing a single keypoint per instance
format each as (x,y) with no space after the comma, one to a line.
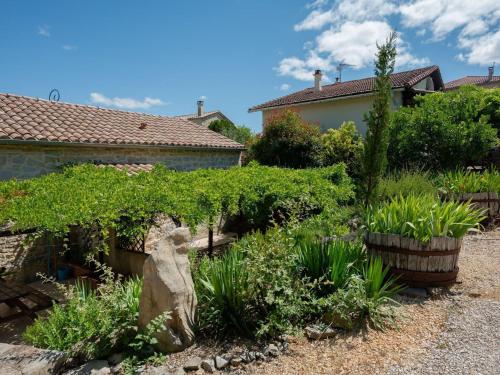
(22,161)
(22,258)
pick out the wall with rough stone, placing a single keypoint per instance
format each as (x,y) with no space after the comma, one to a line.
(22,161)
(22,258)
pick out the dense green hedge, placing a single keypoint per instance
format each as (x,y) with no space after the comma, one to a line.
(85,195)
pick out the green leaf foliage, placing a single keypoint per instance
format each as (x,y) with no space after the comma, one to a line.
(444,130)
(423,217)
(86,195)
(375,151)
(459,181)
(287,141)
(240,134)
(91,324)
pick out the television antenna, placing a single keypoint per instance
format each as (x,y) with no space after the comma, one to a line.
(340,66)
(54,95)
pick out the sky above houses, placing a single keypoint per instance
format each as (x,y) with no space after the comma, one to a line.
(160,57)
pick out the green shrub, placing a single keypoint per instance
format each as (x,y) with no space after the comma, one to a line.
(287,141)
(380,290)
(405,183)
(422,217)
(91,324)
(455,182)
(240,134)
(102,197)
(343,145)
(330,263)
(443,131)
(224,288)
(367,295)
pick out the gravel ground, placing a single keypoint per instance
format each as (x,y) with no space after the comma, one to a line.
(457,331)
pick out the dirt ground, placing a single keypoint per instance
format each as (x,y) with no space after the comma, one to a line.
(417,334)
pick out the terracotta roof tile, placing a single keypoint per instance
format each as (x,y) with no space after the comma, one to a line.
(348,88)
(470,80)
(32,119)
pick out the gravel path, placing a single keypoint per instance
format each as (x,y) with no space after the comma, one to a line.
(469,344)
(456,332)
(470,341)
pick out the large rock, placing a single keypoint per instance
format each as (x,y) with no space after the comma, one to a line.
(23,359)
(168,286)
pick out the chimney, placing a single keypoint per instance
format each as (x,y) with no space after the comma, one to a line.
(337,80)
(491,70)
(201,107)
(317,80)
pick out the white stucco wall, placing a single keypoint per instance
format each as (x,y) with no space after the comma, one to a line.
(333,113)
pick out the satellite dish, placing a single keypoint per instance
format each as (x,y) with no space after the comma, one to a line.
(54,95)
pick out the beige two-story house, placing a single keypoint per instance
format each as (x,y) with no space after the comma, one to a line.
(330,105)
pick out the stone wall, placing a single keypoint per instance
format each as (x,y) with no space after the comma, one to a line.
(23,258)
(22,161)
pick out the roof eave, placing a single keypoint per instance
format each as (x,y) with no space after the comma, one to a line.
(116,145)
(331,99)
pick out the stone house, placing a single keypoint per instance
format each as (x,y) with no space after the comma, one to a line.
(202,117)
(330,105)
(39,136)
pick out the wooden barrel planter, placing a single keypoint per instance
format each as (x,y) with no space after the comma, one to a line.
(415,263)
(488,201)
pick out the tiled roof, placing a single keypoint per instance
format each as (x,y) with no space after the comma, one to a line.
(195,115)
(30,119)
(130,168)
(471,80)
(348,88)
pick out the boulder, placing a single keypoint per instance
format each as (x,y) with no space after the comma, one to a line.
(168,286)
(24,359)
(95,367)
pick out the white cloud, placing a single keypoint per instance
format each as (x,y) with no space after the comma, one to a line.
(354,43)
(482,50)
(357,11)
(69,47)
(348,31)
(126,103)
(285,87)
(315,20)
(442,17)
(44,31)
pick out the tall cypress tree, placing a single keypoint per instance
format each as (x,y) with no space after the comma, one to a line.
(375,151)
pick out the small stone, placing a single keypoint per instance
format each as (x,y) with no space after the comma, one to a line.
(318,334)
(208,365)
(192,364)
(236,361)
(220,362)
(259,356)
(272,350)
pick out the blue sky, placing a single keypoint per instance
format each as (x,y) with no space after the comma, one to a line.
(161,56)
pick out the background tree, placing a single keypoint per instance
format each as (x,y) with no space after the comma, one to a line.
(240,134)
(287,141)
(375,153)
(344,145)
(444,130)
